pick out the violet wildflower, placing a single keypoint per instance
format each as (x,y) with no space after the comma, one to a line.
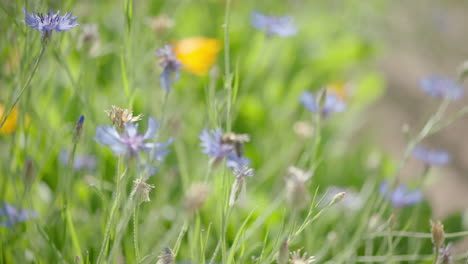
(212,144)
(130,142)
(442,88)
(10,215)
(170,65)
(400,196)
(81,162)
(46,23)
(431,157)
(282,26)
(332,104)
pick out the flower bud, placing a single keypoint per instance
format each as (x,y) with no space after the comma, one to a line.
(438,235)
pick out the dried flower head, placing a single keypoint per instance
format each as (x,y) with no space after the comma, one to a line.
(438,234)
(303,129)
(400,196)
(90,40)
(282,26)
(120,117)
(161,24)
(10,215)
(170,66)
(197,54)
(46,23)
(166,257)
(431,157)
(196,196)
(441,87)
(141,190)
(296,258)
(297,193)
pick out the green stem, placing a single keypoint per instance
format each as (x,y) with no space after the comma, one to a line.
(135,233)
(113,212)
(227,69)
(26,85)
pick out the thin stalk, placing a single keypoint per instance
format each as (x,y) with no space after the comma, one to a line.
(135,233)
(436,255)
(227,69)
(113,212)
(26,85)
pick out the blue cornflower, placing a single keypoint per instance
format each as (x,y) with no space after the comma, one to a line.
(46,23)
(282,26)
(441,87)
(130,142)
(170,65)
(431,157)
(400,196)
(10,215)
(213,145)
(81,162)
(333,103)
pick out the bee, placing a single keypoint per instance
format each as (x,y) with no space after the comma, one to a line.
(235,140)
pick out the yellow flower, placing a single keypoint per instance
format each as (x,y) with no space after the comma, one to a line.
(338,89)
(11,122)
(197,54)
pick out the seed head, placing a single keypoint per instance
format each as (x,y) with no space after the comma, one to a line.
(438,234)
(120,117)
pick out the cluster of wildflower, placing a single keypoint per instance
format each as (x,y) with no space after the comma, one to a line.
(229,146)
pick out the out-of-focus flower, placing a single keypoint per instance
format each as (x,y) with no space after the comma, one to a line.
(197,54)
(282,26)
(431,157)
(445,255)
(81,162)
(351,201)
(46,23)
(10,215)
(90,40)
(12,121)
(400,196)
(212,144)
(303,129)
(296,190)
(170,66)
(161,24)
(120,117)
(141,191)
(440,87)
(130,142)
(166,257)
(333,102)
(283,254)
(196,196)
(78,129)
(296,258)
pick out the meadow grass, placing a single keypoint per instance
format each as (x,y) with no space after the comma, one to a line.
(197,211)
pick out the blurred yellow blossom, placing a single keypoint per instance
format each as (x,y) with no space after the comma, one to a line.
(11,122)
(339,89)
(197,54)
